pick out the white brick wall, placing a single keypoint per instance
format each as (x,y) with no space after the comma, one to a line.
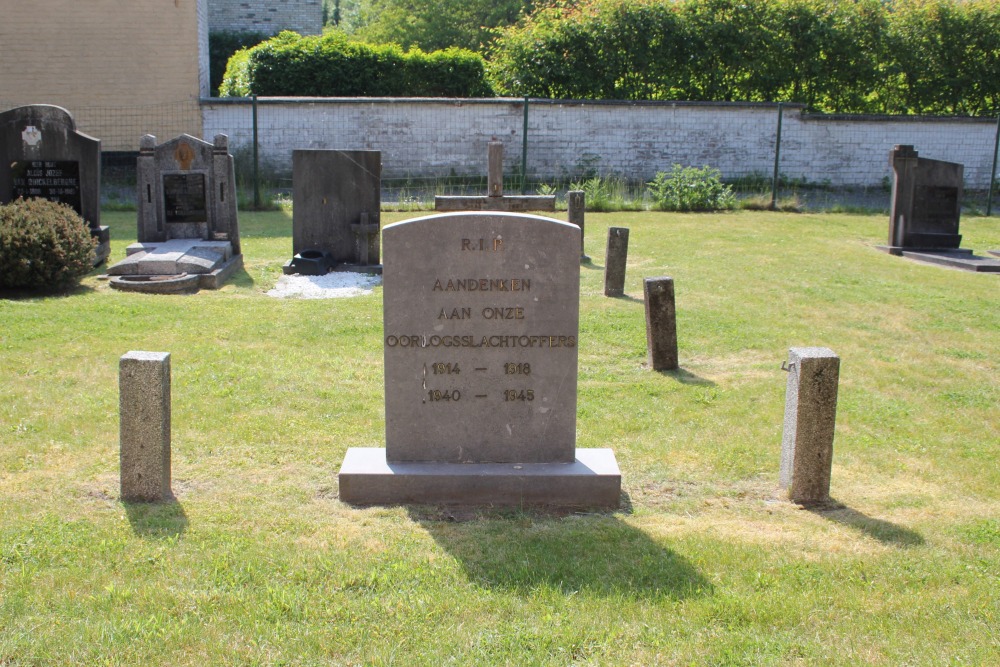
(427,138)
(271,16)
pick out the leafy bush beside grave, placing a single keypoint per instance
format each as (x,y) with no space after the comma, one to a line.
(221,47)
(43,245)
(691,189)
(331,65)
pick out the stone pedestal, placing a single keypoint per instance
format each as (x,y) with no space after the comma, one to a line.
(810,416)
(144,411)
(661,323)
(614,261)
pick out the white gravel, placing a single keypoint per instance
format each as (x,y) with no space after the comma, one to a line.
(337,285)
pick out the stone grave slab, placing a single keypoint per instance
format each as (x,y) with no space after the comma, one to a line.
(43,155)
(335,220)
(481,328)
(212,262)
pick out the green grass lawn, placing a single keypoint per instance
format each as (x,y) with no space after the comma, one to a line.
(258,563)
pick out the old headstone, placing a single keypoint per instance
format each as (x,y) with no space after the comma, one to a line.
(615,259)
(925,213)
(42,155)
(810,417)
(335,220)
(577,205)
(661,323)
(144,412)
(481,326)
(187,220)
(495,200)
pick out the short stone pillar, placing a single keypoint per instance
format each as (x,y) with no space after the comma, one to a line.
(810,416)
(661,323)
(577,203)
(144,412)
(494,173)
(614,261)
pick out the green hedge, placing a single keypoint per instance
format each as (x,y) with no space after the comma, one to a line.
(43,245)
(334,66)
(839,56)
(221,47)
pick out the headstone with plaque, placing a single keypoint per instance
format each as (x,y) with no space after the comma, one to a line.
(925,213)
(42,155)
(187,220)
(481,333)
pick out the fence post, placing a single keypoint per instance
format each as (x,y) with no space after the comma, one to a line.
(777,157)
(993,171)
(256,160)
(524,151)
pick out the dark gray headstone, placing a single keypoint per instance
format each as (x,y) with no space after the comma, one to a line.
(42,155)
(187,190)
(481,325)
(337,196)
(926,202)
(576,201)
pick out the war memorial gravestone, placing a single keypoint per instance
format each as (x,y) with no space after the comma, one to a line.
(481,326)
(188,232)
(42,155)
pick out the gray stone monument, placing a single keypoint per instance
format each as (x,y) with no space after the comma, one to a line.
(144,412)
(577,204)
(661,323)
(481,326)
(615,259)
(187,219)
(925,213)
(810,417)
(335,220)
(495,200)
(42,155)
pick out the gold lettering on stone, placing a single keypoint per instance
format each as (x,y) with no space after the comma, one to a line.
(455,314)
(482,285)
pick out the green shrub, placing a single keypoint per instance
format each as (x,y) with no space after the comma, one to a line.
(331,65)
(43,245)
(691,189)
(221,47)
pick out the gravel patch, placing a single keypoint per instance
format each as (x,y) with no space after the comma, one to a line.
(331,286)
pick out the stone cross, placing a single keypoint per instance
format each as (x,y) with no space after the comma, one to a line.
(365,233)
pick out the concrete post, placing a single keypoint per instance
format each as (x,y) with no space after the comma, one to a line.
(661,323)
(614,261)
(576,201)
(144,412)
(810,416)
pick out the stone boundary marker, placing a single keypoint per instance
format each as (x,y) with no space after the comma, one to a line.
(481,327)
(144,411)
(615,259)
(810,416)
(661,323)
(576,203)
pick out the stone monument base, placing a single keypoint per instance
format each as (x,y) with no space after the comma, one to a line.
(592,481)
(959,258)
(214,262)
(103,248)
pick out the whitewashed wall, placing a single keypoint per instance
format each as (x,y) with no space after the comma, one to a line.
(434,138)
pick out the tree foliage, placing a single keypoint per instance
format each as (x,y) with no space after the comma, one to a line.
(436,24)
(853,56)
(332,65)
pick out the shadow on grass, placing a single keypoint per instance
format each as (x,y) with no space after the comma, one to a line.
(15,294)
(522,551)
(241,279)
(157,520)
(883,531)
(626,297)
(687,377)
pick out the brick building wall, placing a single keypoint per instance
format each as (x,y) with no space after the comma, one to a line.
(271,16)
(435,138)
(123,69)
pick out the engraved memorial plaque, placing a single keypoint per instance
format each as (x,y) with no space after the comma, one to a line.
(935,209)
(55,180)
(184,198)
(481,319)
